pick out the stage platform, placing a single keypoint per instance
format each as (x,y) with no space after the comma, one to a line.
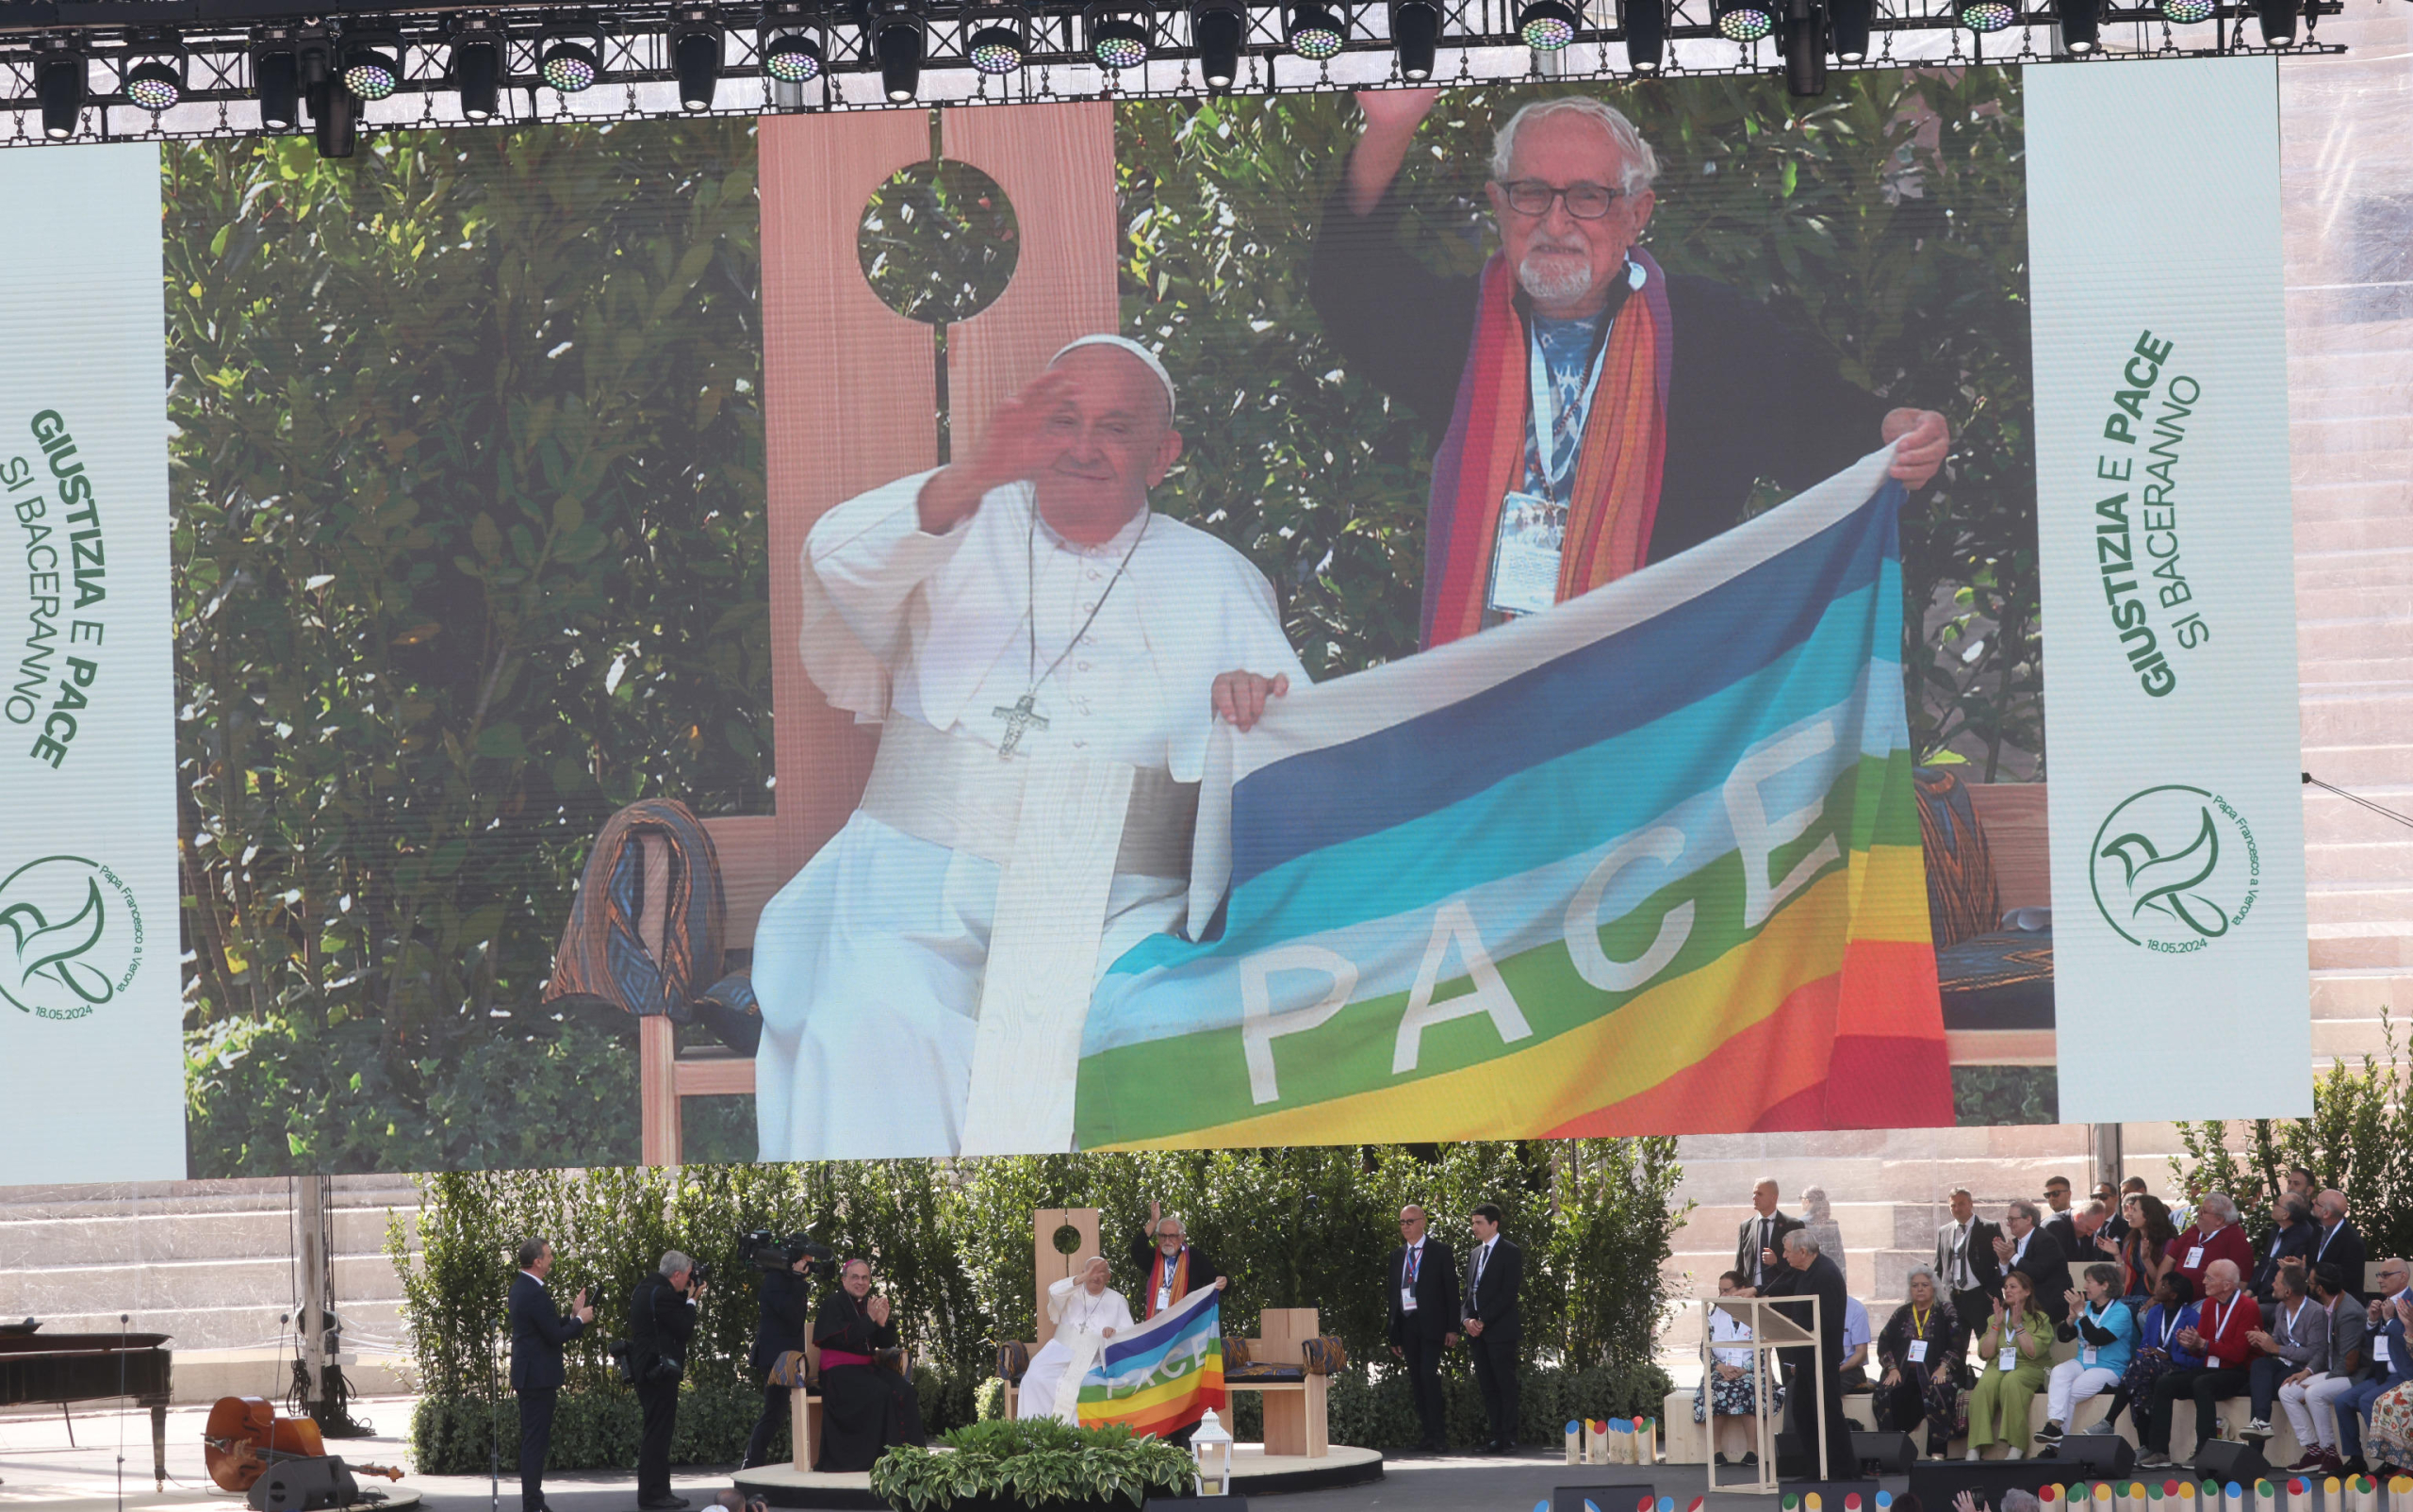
(1254,1472)
(34,1492)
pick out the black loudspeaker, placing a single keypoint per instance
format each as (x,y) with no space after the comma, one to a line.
(1887,1454)
(2100,1455)
(1936,1482)
(303,1485)
(2217,1459)
(1607,1498)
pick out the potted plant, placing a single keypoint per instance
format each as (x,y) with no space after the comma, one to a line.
(1010,1466)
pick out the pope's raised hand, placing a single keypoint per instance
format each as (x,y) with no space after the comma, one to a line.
(1012,446)
(1241,696)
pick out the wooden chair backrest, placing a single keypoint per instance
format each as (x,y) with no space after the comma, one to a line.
(2013,816)
(1282,1335)
(1049,1264)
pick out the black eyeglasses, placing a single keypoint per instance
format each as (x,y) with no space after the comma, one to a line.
(1586,202)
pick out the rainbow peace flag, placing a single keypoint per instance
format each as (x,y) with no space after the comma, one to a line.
(1162,1376)
(1646,863)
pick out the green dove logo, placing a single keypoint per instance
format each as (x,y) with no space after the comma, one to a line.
(71,937)
(2174,868)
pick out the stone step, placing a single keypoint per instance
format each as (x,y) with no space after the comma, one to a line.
(2361,947)
(2377,464)
(2331,430)
(2391,601)
(2324,491)
(2358,767)
(122,1199)
(2386,373)
(2327,903)
(2328,817)
(158,1236)
(169,1286)
(2349,716)
(2317,572)
(2352,527)
(2359,994)
(2373,861)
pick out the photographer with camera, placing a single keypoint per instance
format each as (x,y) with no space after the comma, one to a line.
(662,1318)
(778,1359)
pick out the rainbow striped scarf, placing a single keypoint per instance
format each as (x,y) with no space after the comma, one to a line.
(1646,863)
(1163,1375)
(1615,496)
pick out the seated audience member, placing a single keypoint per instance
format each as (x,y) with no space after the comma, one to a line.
(865,1405)
(2299,1182)
(2390,1365)
(2172,1314)
(2144,1253)
(2339,1244)
(2016,1347)
(1919,1355)
(2309,1398)
(1725,1392)
(2292,1237)
(2226,1315)
(2293,1341)
(2387,1438)
(2212,1235)
(1856,1341)
(2106,1332)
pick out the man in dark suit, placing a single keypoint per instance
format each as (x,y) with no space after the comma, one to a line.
(1424,1291)
(2024,1246)
(1762,1236)
(2292,1237)
(662,1318)
(1494,1271)
(1965,1267)
(2340,1242)
(538,1331)
(1814,1410)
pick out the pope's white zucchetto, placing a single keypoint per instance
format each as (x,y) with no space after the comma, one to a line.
(1123,343)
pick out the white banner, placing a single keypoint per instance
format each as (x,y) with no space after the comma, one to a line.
(2167,545)
(92,1063)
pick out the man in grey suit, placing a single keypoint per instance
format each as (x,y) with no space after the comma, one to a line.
(2296,1342)
(1759,1245)
(1966,1266)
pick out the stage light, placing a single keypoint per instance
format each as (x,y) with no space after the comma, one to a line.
(372,67)
(1547,26)
(999,41)
(1744,21)
(1217,27)
(2187,12)
(1801,38)
(694,58)
(1316,34)
(1988,15)
(1847,30)
(154,69)
(276,79)
(571,62)
(790,57)
(59,83)
(2081,25)
(337,122)
(477,68)
(1118,35)
(2278,22)
(1415,36)
(1646,35)
(896,40)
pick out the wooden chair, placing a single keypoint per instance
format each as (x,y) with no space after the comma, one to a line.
(827,439)
(1295,1411)
(804,1411)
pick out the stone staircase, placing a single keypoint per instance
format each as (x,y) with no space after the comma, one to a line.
(209,1262)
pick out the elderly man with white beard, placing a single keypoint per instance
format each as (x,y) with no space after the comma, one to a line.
(1595,415)
(1047,657)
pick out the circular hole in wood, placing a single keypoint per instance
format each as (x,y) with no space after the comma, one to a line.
(938,242)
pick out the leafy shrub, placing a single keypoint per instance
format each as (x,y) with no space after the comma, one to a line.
(594,1428)
(1036,1461)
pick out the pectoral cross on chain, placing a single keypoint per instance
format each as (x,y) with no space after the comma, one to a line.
(1019,716)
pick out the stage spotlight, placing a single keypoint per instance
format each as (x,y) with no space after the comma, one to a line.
(1416,35)
(153,74)
(1646,35)
(2081,24)
(1847,30)
(1985,16)
(1118,35)
(1744,21)
(276,78)
(572,61)
(372,67)
(694,58)
(790,55)
(1000,39)
(337,122)
(2186,12)
(59,83)
(1547,26)
(898,37)
(1217,27)
(1801,38)
(1316,34)
(477,69)
(2278,20)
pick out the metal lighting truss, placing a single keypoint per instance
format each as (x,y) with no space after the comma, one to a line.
(223,40)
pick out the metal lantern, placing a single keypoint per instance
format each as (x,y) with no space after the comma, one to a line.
(1214,1448)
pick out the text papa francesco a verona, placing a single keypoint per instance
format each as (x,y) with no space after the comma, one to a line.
(58,520)
(2136,531)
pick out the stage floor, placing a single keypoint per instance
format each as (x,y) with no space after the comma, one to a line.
(1254,1472)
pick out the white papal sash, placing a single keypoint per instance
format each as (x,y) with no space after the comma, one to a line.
(1062,828)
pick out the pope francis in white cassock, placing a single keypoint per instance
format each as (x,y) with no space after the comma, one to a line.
(1086,1313)
(1047,657)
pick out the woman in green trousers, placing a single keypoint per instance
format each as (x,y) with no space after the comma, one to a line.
(2017,1347)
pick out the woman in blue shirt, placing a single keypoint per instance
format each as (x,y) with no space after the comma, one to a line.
(2106,1332)
(2173,1311)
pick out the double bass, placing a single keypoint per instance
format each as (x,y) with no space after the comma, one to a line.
(245,1434)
